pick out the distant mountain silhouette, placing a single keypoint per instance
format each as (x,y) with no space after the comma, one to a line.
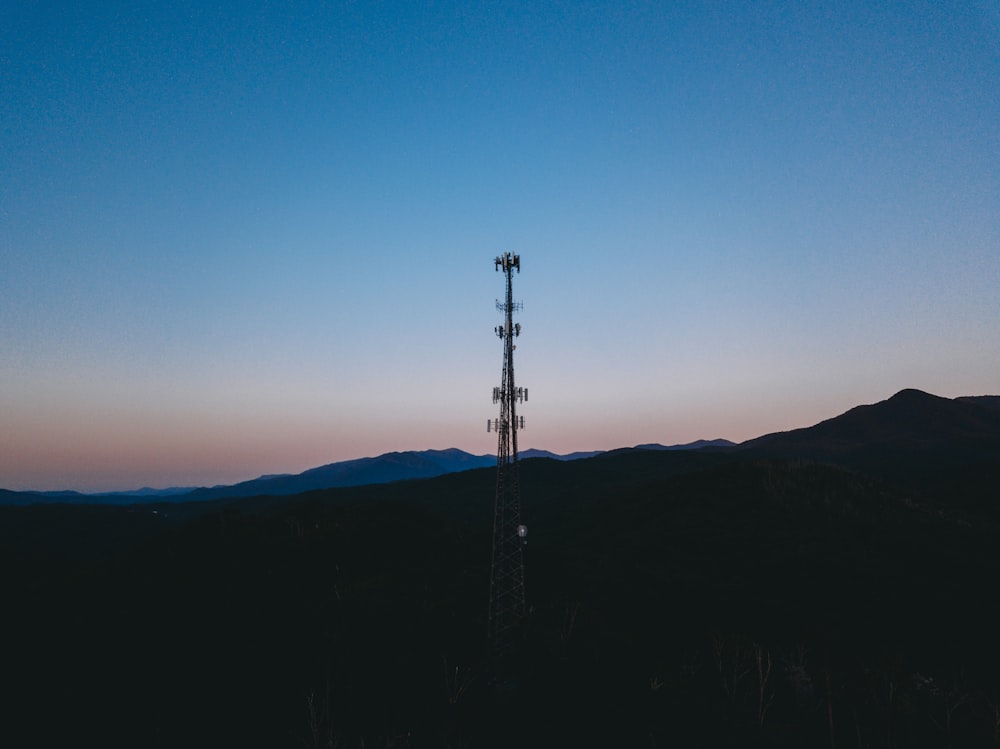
(910,419)
(696,445)
(395,466)
(894,439)
(989,401)
(148,491)
(7,497)
(914,439)
(532,453)
(381,469)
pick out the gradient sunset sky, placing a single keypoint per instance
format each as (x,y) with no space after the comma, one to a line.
(257,237)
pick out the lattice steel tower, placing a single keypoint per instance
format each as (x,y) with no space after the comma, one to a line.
(507,571)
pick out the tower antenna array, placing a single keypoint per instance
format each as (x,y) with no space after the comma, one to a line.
(507,570)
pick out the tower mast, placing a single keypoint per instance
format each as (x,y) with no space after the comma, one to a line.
(507,605)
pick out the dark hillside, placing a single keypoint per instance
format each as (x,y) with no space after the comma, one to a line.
(677,597)
(988,401)
(939,449)
(911,420)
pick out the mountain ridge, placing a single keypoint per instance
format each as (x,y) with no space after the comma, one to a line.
(909,419)
(917,441)
(882,437)
(385,468)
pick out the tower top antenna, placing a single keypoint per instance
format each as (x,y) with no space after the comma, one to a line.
(508,261)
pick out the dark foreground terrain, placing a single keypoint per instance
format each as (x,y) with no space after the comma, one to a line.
(834,587)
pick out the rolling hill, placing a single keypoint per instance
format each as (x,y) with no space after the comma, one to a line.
(928,445)
(910,420)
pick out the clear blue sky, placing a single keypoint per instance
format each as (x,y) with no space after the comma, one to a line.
(256,237)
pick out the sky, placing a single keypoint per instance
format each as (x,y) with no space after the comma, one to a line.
(257,237)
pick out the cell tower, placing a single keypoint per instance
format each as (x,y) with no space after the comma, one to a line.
(507,570)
